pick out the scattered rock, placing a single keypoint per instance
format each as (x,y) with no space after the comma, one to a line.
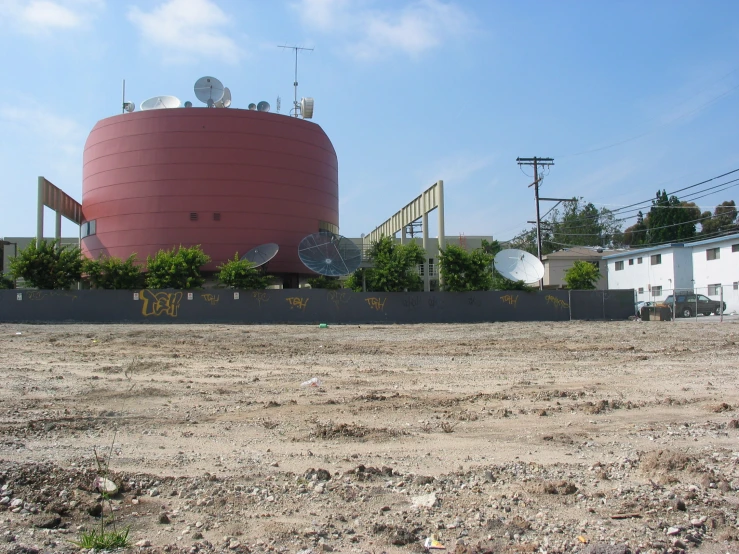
(425,500)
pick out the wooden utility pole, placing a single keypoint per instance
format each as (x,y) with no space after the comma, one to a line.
(536,162)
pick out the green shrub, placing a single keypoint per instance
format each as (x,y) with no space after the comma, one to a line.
(178,268)
(48,265)
(113,273)
(241,274)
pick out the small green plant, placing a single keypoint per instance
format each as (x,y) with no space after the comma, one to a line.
(241,274)
(582,276)
(102,538)
(48,265)
(6,282)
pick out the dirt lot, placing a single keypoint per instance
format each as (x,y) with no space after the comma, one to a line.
(507,437)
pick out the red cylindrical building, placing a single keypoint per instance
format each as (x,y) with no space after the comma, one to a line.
(226,179)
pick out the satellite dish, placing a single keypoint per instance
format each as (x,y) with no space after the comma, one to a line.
(209,90)
(129,106)
(160,103)
(306,107)
(226,97)
(261,254)
(188,104)
(252,106)
(329,254)
(518,265)
(219,104)
(263,106)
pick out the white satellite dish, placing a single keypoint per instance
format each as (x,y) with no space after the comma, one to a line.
(129,106)
(226,98)
(160,103)
(252,106)
(209,90)
(518,265)
(219,104)
(306,107)
(263,106)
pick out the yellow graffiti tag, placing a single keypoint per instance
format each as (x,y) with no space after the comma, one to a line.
(158,303)
(212,299)
(41,294)
(375,303)
(260,296)
(556,302)
(510,299)
(297,302)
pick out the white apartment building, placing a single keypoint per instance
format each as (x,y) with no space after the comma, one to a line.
(716,265)
(704,266)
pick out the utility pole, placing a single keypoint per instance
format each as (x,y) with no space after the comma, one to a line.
(536,162)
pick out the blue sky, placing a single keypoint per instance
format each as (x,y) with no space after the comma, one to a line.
(408,91)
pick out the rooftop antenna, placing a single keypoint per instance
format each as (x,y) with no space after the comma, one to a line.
(295,112)
(279,104)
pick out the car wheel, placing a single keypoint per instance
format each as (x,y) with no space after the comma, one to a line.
(717,311)
(687,312)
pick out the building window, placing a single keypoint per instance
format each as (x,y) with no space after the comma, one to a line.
(641,290)
(656,291)
(216,216)
(631,261)
(619,266)
(656,259)
(714,290)
(88,228)
(193,216)
(735,247)
(713,254)
(638,260)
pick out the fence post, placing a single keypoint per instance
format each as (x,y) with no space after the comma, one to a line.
(569,302)
(721,306)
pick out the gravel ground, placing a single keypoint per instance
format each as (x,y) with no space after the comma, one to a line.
(593,437)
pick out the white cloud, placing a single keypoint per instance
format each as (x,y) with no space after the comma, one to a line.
(183,30)
(37,17)
(373,33)
(57,140)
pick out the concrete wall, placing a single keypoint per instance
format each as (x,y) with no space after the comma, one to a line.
(310,306)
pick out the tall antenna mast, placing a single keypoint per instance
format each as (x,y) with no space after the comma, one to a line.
(295,112)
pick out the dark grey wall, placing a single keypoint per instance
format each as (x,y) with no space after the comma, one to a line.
(310,306)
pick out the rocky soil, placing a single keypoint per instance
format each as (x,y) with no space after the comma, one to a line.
(593,437)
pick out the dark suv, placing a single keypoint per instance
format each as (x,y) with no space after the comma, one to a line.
(687,304)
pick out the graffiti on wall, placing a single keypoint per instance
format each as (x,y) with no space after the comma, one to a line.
(376,303)
(41,294)
(297,302)
(160,303)
(260,297)
(556,302)
(510,299)
(338,297)
(211,299)
(411,302)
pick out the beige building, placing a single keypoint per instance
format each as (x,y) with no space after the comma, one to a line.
(557,263)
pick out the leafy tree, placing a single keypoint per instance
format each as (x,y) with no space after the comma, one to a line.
(466,271)
(324,282)
(669,221)
(637,233)
(723,220)
(242,274)
(582,276)
(113,273)
(490,247)
(582,224)
(394,268)
(526,240)
(6,282)
(178,268)
(48,264)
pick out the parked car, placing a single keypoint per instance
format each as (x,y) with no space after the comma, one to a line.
(689,304)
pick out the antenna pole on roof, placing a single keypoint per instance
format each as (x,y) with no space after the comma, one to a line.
(296,106)
(123,103)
